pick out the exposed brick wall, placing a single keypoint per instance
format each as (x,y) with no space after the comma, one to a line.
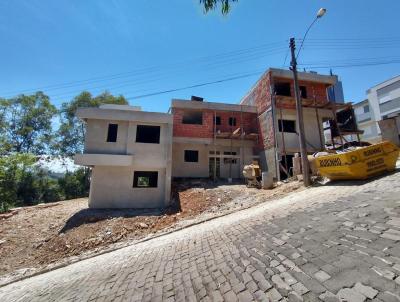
(248,121)
(259,95)
(200,131)
(206,130)
(313,89)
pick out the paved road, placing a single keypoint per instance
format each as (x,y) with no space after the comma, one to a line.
(325,243)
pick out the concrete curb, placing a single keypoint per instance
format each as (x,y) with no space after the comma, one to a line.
(130,243)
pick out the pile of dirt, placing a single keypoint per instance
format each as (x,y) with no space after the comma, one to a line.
(37,236)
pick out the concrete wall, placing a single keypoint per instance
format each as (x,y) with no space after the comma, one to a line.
(383,98)
(112,187)
(371,132)
(180,168)
(96,137)
(145,154)
(310,127)
(268,159)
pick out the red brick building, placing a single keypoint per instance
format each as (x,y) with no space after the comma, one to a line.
(273,96)
(213,139)
(218,139)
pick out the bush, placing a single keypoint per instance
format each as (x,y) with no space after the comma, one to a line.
(12,169)
(22,183)
(75,184)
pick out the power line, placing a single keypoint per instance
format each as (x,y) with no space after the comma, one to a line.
(167,74)
(352,60)
(196,85)
(286,56)
(353,39)
(210,59)
(352,65)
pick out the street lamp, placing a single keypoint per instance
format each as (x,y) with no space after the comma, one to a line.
(299,109)
(321,12)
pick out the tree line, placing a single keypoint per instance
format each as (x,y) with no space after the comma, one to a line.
(32,128)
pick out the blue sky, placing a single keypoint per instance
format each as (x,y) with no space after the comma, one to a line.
(137,47)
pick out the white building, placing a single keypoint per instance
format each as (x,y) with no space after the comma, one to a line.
(383,102)
(129,152)
(365,122)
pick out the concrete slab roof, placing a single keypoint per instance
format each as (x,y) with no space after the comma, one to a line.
(288,74)
(384,83)
(120,107)
(196,105)
(124,115)
(304,76)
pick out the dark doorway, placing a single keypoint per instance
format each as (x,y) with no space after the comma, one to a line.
(214,163)
(287,164)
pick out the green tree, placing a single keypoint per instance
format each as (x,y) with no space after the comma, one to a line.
(13,168)
(74,184)
(71,131)
(47,187)
(26,123)
(3,137)
(212,4)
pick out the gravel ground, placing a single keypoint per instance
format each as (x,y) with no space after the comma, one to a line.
(332,243)
(43,236)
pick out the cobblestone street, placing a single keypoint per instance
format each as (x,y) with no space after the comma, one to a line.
(329,243)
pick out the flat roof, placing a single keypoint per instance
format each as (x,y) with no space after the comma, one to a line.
(304,76)
(188,104)
(124,115)
(120,107)
(385,83)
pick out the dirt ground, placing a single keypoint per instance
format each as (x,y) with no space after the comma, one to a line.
(41,235)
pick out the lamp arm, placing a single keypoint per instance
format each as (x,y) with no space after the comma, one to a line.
(305,35)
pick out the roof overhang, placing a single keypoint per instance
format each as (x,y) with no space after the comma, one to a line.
(196,105)
(124,115)
(304,76)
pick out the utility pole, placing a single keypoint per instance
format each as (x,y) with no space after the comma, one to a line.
(299,111)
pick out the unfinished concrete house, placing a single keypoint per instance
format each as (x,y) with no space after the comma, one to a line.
(129,152)
(213,139)
(134,154)
(273,96)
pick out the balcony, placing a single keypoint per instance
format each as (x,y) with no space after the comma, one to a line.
(103,160)
(247,133)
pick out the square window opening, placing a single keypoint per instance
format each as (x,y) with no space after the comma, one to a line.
(230,161)
(148,134)
(192,118)
(287,126)
(212,152)
(112,133)
(232,121)
(217,120)
(191,156)
(229,153)
(303,92)
(145,179)
(283,89)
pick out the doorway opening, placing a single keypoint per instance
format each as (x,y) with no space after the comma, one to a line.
(286,166)
(214,163)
